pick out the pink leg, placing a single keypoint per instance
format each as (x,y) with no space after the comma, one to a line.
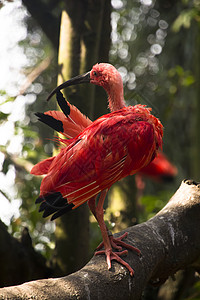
(92,206)
(108,240)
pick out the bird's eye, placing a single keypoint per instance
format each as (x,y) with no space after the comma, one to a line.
(95,73)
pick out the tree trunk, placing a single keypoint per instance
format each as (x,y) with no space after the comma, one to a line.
(196,133)
(83,24)
(71,233)
(168,243)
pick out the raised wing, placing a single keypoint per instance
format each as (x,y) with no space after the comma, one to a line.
(69,126)
(70,122)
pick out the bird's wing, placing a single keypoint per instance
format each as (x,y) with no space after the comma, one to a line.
(69,126)
(70,122)
(105,152)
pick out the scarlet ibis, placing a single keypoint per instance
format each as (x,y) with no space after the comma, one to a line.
(159,169)
(112,147)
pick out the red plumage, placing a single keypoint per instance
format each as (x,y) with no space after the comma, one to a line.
(112,147)
(109,149)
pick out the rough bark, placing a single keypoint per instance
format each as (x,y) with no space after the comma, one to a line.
(170,241)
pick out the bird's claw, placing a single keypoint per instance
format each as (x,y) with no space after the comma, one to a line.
(110,255)
(117,244)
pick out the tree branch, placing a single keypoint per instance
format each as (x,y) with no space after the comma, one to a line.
(35,73)
(168,242)
(18,260)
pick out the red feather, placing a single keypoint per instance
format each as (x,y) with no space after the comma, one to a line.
(72,125)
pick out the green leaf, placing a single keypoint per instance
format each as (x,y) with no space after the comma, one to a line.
(187,81)
(184,19)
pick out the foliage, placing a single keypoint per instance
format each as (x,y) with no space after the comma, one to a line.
(26,185)
(152,204)
(25,144)
(187,15)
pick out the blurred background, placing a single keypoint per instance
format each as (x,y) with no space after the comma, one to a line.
(155,45)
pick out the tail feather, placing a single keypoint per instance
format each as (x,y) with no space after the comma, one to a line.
(53,203)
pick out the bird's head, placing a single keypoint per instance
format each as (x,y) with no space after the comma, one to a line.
(102,74)
(107,76)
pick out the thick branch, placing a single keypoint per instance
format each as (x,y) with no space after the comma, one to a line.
(170,241)
(18,260)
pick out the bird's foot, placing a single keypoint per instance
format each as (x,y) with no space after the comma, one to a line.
(110,255)
(117,244)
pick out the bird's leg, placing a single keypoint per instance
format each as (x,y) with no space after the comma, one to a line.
(92,205)
(116,243)
(108,240)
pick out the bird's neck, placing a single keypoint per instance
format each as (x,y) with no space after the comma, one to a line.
(115,99)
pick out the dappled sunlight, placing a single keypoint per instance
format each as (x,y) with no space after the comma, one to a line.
(12,57)
(8,191)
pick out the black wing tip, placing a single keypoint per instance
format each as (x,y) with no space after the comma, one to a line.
(38,114)
(62,103)
(53,203)
(61,100)
(59,93)
(39,200)
(62,211)
(50,121)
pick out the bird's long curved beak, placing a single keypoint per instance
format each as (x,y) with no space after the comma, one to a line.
(84,78)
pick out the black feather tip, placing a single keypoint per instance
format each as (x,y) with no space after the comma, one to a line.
(50,121)
(55,204)
(62,103)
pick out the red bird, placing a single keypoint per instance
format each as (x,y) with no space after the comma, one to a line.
(112,147)
(159,169)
